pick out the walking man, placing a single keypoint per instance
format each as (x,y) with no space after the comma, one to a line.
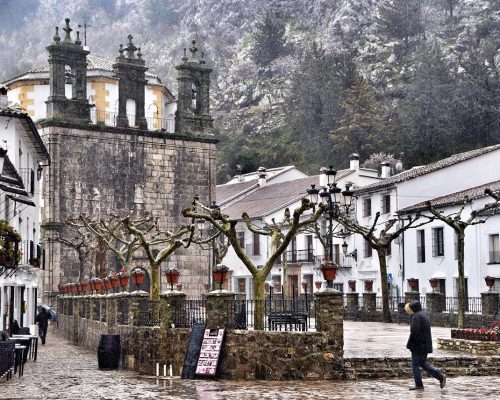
(420,344)
(43,322)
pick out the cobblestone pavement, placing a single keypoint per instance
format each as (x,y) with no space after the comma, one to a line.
(377,339)
(64,371)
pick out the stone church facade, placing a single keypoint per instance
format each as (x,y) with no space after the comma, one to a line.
(101,170)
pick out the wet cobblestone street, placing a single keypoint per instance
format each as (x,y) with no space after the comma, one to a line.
(65,371)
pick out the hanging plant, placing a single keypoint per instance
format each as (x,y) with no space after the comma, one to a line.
(10,253)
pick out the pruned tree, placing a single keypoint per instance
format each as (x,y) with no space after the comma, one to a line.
(280,236)
(459,224)
(125,236)
(380,240)
(82,243)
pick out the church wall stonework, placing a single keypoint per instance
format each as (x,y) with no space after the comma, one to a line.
(106,170)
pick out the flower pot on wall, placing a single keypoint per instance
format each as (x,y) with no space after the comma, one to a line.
(368,285)
(490,282)
(434,283)
(352,285)
(219,274)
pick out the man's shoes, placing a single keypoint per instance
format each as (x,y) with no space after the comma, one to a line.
(442,381)
(416,388)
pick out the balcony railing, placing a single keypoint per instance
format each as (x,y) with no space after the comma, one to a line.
(106,118)
(296,256)
(28,177)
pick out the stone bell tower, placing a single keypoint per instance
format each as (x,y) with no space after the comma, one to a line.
(193,103)
(131,74)
(68,64)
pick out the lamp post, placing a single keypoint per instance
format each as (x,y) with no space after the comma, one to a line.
(334,200)
(201,228)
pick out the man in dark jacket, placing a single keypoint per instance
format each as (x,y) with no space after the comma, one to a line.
(43,322)
(420,344)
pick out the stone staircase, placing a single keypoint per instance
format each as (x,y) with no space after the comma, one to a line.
(358,368)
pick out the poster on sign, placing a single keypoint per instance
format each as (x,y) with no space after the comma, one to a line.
(211,346)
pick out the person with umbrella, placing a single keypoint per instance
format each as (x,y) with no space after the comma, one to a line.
(42,318)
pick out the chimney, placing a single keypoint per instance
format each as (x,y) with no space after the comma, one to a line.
(3,97)
(386,170)
(354,162)
(262,176)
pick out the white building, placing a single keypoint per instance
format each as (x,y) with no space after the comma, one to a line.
(264,196)
(456,173)
(30,91)
(431,250)
(25,156)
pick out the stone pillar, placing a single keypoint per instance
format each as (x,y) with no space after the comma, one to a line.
(352,301)
(77,315)
(111,309)
(134,311)
(329,312)
(410,296)
(170,305)
(120,299)
(218,310)
(435,302)
(490,302)
(369,302)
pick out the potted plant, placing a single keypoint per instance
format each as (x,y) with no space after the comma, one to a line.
(329,270)
(10,253)
(107,283)
(172,277)
(219,273)
(97,285)
(412,283)
(434,283)
(114,280)
(138,277)
(490,282)
(318,284)
(123,277)
(368,285)
(352,285)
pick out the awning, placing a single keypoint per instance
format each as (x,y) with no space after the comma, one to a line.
(12,189)
(22,199)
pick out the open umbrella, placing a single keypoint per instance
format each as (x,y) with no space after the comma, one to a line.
(52,312)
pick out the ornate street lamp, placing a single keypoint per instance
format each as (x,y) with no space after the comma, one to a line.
(334,200)
(353,254)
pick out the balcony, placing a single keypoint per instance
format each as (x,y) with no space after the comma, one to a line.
(28,176)
(106,118)
(31,253)
(299,256)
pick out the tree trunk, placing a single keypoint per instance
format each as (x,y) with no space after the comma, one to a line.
(155,282)
(383,282)
(284,287)
(259,297)
(461,279)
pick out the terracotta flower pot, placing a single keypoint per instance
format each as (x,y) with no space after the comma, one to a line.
(318,284)
(172,276)
(368,285)
(352,285)
(434,283)
(107,283)
(490,282)
(219,276)
(123,279)
(329,271)
(115,281)
(138,277)
(412,283)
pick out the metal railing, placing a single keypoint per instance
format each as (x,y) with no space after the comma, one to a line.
(149,313)
(279,315)
(187,312)
(473,305)
(107,118)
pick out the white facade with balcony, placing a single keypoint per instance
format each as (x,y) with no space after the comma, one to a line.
(20,207)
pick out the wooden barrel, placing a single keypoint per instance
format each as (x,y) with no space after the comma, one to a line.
(108,353)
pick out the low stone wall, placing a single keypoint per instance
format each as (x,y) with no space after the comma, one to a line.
(383,367)
(246,354)
(470,346)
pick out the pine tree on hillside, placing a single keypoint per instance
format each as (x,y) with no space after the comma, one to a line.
(401,20)
(362,125)
(448,5)
(269,39)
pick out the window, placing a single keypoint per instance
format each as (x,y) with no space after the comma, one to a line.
(367,207)
(367,249)
(386,204)
(420,246)
(437,242)
(494,248)
(336,254)
(256,244)
(310,248)
(241,238)
(339,287)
